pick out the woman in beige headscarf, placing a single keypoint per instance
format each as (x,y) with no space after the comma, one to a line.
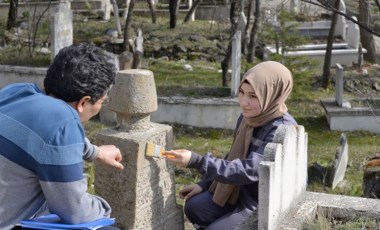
(228,191)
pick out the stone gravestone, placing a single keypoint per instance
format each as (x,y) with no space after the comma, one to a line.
(340,28)
(339,165)
(294,6)
(283,175)
(353,34)
(61,28)
(142,196)
(125,60)
(339,85)
(236,56)
(339,89)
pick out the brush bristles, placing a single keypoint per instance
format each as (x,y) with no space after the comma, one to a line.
(153,150)
(157,151)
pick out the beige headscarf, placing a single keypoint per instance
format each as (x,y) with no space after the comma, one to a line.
(272,83)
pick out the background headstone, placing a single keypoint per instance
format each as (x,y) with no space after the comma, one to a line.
(339,85)
(339,165)
(353,34)
(341,25)
(61,28)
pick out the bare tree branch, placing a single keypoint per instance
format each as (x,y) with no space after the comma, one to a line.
(326,5)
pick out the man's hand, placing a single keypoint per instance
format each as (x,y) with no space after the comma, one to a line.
(179,157)
(110,155)
(189,191)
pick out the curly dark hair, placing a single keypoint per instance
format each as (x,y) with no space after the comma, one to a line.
(80,70)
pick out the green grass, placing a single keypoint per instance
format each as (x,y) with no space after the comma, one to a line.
(303,104)
(322,144)
(20,56)
(90,32)
(198,27)
(171,73)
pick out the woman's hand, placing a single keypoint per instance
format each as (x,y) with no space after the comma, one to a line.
(110,155)
(189,191)
(179,157)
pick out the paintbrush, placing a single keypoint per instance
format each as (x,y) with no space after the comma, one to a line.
(153,150)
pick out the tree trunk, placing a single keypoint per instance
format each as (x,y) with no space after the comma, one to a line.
(377,4)
(192,10)
(152,11)
(128,23)
(12,14)
(127,3)
(366,38)
(253,39)
(173,10)
(330,39)
(116,15)
(248,28)
(235,13)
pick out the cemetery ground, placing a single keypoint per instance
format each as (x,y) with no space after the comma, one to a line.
(303,104)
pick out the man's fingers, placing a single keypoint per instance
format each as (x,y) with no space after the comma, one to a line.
(121,167)
(118,165)
(119,157)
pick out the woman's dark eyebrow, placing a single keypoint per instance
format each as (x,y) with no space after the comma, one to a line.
(250,93)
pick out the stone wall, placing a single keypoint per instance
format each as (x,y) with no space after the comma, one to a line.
(12,74)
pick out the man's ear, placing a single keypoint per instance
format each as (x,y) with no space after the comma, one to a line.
(79,106)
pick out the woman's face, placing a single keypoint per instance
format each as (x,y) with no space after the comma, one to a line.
(249,104)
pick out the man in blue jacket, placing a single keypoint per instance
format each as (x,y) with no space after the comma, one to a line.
(43,144)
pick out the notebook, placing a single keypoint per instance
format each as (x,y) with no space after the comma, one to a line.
(53,221)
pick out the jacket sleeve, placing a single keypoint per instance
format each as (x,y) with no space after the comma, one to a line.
(196,160)
(238,171)
(90,152)
(204,184)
